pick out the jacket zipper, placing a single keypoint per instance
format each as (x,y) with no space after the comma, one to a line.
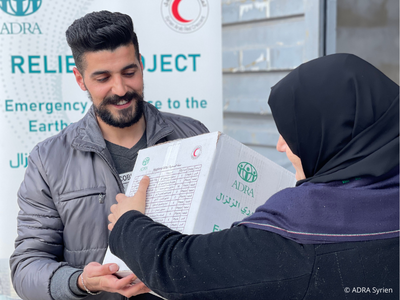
(114,172)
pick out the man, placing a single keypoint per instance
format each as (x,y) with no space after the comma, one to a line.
(73,178)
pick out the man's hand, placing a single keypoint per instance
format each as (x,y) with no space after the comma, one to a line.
(99,277)
(137,202)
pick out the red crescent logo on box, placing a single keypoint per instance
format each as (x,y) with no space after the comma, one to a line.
(196,152)
(184,16)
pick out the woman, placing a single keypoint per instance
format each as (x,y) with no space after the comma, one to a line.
(333,236)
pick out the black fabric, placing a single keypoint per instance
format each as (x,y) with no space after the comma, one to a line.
(340,115)
(146,296)
(361,209)
(246,263)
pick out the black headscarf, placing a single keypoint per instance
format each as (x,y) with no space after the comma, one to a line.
(340,115)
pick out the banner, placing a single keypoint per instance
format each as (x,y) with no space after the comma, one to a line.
(180,42)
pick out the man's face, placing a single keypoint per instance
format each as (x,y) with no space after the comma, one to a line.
(114,81)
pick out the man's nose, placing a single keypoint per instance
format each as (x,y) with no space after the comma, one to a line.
(119,88)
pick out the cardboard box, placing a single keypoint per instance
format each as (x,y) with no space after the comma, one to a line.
(205,183)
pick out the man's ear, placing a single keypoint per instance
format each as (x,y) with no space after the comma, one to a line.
(79,79)
(141,61)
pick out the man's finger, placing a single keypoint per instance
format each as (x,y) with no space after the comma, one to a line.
(101,270)
(124,282)
(134,290)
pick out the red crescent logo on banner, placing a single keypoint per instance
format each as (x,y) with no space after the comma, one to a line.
(194,14)
(175,12)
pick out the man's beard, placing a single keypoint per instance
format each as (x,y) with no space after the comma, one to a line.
(126,117)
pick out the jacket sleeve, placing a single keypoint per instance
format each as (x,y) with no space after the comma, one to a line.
(190,127)
(184,126)
(237,263)
(39,247)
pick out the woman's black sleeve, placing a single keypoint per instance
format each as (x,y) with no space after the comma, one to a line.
(237,263)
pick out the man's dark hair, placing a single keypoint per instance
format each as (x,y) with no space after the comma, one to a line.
(98,31)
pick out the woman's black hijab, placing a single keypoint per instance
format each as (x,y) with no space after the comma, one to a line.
(340,115)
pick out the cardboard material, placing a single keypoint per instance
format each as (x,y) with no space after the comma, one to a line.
(204,183)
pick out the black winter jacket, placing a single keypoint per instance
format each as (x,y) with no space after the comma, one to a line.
(244,263)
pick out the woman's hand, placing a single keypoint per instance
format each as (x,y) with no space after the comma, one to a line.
(137,202)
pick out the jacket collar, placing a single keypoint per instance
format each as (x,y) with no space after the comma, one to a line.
(156,126)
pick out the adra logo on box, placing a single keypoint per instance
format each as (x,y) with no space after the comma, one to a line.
(247,172)
(20,8)
(145,161)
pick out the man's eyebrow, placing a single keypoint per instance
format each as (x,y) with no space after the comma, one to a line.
(100,72)
(131,66)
